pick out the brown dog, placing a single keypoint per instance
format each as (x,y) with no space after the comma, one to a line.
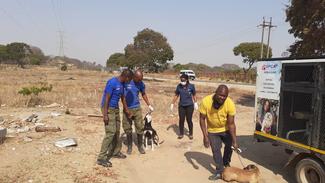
(249,174)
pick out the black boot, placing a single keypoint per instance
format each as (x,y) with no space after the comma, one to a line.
(104,163)
(120,155)
(129,143)
(140,143)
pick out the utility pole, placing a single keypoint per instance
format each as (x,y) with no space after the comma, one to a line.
(269,26)
(263,25)
(268,37)
(61,48)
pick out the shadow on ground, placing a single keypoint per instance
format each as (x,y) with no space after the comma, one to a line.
(263,154)
(175,128)
(201,159)
(247,100)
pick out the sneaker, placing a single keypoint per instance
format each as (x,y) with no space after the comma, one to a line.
(120,155)
(190,137)
(180,137)
(104,163)
(215,176)
(227,165)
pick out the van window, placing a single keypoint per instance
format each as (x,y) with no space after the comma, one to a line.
(299,73)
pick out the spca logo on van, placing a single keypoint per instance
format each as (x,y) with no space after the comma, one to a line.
(270,67)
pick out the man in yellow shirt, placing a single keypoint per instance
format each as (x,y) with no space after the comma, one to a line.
(217,121)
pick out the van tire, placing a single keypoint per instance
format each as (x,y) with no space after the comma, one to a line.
(309,170)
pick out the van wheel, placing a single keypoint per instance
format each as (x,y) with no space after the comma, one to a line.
(310,171)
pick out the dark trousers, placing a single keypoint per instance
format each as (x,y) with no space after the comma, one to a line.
(185,112)
(216,140)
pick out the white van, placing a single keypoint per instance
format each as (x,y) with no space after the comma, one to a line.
(190,73)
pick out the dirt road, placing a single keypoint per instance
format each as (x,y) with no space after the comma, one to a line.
(248,87)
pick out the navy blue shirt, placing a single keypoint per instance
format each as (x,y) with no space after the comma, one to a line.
(115,89)
(185,92)
(131,93)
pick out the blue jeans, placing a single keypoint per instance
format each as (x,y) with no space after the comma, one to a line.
(216,140)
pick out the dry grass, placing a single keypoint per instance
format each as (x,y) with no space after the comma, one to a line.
(70,88)
(81,88)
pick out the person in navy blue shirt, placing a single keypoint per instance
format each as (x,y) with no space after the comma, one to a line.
(131,93)
(187,103)
(114,91)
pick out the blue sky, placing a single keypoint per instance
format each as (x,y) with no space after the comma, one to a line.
(198,31)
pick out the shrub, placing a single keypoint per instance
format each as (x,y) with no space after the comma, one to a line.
(64,67)
(33,92)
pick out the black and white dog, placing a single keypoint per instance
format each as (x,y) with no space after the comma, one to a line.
(149,134)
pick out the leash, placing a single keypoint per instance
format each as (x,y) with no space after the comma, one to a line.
(238,151)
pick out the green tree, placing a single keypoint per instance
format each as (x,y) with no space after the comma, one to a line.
(116,60)
(307,20)
(251,52)
(3,53)
(179,67)
(150,50)
(37,56)
(198,67)
(18,52)
(34,59)
(136,57)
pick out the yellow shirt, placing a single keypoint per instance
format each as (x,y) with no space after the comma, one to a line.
(217,118)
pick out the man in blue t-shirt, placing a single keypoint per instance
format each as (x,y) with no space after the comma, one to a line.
(131,93)
(114,91)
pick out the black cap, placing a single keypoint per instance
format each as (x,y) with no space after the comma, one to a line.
(185,76)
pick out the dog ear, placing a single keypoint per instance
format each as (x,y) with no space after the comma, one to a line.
(250,167)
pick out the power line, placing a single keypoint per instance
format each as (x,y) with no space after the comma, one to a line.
(27,13)
(223,36)
(60,13)
(61,49)
(12,18)
(56,8)
(216,46)
(55,15)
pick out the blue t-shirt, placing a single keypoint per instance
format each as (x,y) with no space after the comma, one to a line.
(115,89)
(185,93)
(131,93)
